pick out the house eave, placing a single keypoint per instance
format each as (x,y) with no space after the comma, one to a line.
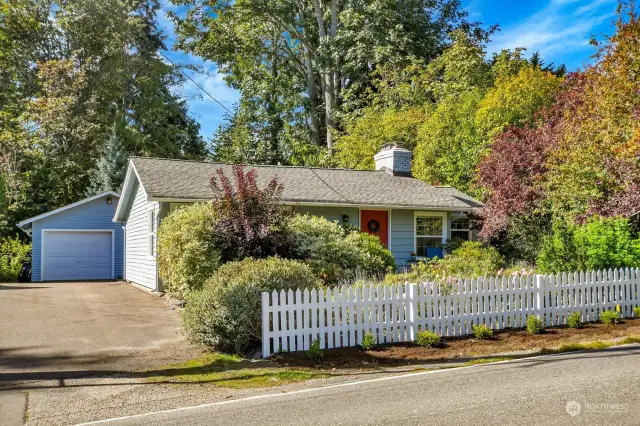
(126,194)
(329,204)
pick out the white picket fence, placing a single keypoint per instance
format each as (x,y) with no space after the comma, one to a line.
(341,316)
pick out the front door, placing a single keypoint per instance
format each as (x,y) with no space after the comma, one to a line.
(376,222)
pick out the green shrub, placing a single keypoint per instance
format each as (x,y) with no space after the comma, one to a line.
(610,317)
(575,320)
(226,313)
(482,332)
(187,255)
(534,324)
(636,312)
(320,243)
(372,257)
(314,352)
(470,260)
(332,255)
(600,243)
(428,339)
(13,253)
(368,341)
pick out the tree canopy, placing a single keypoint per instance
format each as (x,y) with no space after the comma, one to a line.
(302,65)
(69,73)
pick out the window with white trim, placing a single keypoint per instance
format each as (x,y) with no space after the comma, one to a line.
(460,229)
(428,233)
(152,229)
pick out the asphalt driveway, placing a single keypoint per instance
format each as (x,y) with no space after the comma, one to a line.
(48,328)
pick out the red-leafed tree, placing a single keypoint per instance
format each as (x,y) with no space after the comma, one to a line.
(514,172)
(581,158)
(250,222)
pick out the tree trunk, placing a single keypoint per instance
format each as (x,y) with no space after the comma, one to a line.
(328,75)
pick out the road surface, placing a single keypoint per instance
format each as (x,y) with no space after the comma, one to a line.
(581,388)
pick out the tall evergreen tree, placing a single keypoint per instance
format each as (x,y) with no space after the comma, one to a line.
(111,167)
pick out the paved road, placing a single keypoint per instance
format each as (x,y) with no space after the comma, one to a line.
(596,388)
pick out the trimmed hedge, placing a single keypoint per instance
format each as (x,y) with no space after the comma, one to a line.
(226,314)
(335,253)
(187,255)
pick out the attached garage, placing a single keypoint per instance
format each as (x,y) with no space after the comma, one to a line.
(77,242)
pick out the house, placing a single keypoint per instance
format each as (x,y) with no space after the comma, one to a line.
(79,241)
(406,213)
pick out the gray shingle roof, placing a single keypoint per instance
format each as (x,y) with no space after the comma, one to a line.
(189,180)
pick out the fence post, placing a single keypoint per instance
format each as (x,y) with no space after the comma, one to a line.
(540,288)
(266,341)
(412,309)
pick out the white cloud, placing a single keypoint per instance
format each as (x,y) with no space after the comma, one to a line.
(559,28)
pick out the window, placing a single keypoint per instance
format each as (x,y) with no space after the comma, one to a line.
(428,234)
(152,228)
(460,229)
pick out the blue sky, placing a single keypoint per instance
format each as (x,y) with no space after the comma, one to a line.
(559,29)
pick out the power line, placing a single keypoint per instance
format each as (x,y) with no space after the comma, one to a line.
(194,82)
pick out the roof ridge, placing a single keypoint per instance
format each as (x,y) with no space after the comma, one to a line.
(180,160)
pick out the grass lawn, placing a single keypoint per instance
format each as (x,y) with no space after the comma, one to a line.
(229,371)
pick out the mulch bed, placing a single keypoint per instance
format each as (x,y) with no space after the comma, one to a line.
(459,348)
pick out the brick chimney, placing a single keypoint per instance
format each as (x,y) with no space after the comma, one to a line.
(394,159)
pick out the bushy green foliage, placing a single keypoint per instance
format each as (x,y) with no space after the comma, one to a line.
(449,145)
(574,320)
(610,317)
(470,260)
(579,159)
(482,332)
(534,324)
(598,244)
(226,313)
(314,352)
(515,100)
(373,257)
(368,341)
(320,243)
(636,312)
(428,339)
(364,137)
(323,245)
(13,253)
(187,254)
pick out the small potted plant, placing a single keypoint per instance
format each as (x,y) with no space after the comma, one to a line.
(413,255)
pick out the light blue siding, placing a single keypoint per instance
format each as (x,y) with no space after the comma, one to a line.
(402,241)
(402,236)
(96,214)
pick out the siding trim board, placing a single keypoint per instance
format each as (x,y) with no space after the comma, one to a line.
(44,231)
(141,268)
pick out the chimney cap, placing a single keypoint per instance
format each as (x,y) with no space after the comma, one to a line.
(392,145)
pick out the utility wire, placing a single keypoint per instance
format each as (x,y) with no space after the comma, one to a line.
(194,82)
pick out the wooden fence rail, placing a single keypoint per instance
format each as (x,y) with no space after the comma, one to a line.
(341,316)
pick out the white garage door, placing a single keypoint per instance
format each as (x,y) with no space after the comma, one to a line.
(72,255)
